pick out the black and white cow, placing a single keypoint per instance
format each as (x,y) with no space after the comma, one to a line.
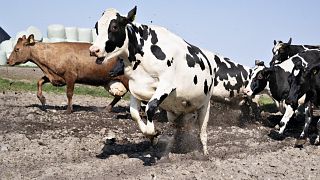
(276,77)
(283,51)
(229,82)
(305,79)
(163,69)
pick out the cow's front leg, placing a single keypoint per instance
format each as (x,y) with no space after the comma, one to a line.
(308,117)
(135,106)
(285,119)
(40,83)
(158,97)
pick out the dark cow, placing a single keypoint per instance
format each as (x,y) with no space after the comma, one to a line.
(305,79)
(277,77)
(283,51)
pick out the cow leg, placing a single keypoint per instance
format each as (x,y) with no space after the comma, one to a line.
(285,119)
(317,141)
(157,98)
(70,89)
(203,119)
(304,133)
(40,83)
(114,101)
(135,105)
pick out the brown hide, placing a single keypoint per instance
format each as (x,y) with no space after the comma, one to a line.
(65,63)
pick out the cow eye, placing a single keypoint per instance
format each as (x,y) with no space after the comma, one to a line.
(260,76)
(114,28)
(17,49)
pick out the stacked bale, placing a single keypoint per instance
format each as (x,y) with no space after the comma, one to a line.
(84,35)
(72,34)
(55,33)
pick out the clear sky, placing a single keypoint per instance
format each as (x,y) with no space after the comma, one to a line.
(242,30)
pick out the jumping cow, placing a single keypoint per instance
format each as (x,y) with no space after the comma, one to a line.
(305,79)
(283,51)
(163,69)
(67,63)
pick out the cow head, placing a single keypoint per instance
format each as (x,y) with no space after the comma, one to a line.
(112,39)
(280,51)
(258,79)
(21,52)
(300,81)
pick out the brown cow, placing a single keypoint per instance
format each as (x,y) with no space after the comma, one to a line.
(67,63)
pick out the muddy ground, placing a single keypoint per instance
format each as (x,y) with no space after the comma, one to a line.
(93,144)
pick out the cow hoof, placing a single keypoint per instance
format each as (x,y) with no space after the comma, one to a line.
(300,142)
(199,156)
(109,109)
(155,138)
(276,135)
(164,159)
(281,124)
(68,111)
(42,100)
(317,141)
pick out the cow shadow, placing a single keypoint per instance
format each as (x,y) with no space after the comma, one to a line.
(150,154)
(79,108)
(293,128)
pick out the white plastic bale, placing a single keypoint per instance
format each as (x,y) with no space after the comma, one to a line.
(45,40)
(7,46)
(3,57)
(84,35)
(71,34)
(36,32)
(94,34)
(53,40)
(56,31)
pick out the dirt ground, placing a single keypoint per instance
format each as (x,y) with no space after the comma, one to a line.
(37,143)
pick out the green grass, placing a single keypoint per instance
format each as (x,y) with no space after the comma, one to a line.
(14,85)
(267,104)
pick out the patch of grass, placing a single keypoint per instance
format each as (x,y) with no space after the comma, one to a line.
(267,104)
(14,85)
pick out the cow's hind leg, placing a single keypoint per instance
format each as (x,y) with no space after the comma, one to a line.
(70,89)
(40,83)
(203,119)
(308,117)
(317,141)
(114,101)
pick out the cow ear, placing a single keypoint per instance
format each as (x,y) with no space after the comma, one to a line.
(274,42)
(31,40)
(289,42)
(259,63)
(24,37)
(132,14)
(267,72)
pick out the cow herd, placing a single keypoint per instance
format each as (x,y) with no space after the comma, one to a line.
(162,70)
